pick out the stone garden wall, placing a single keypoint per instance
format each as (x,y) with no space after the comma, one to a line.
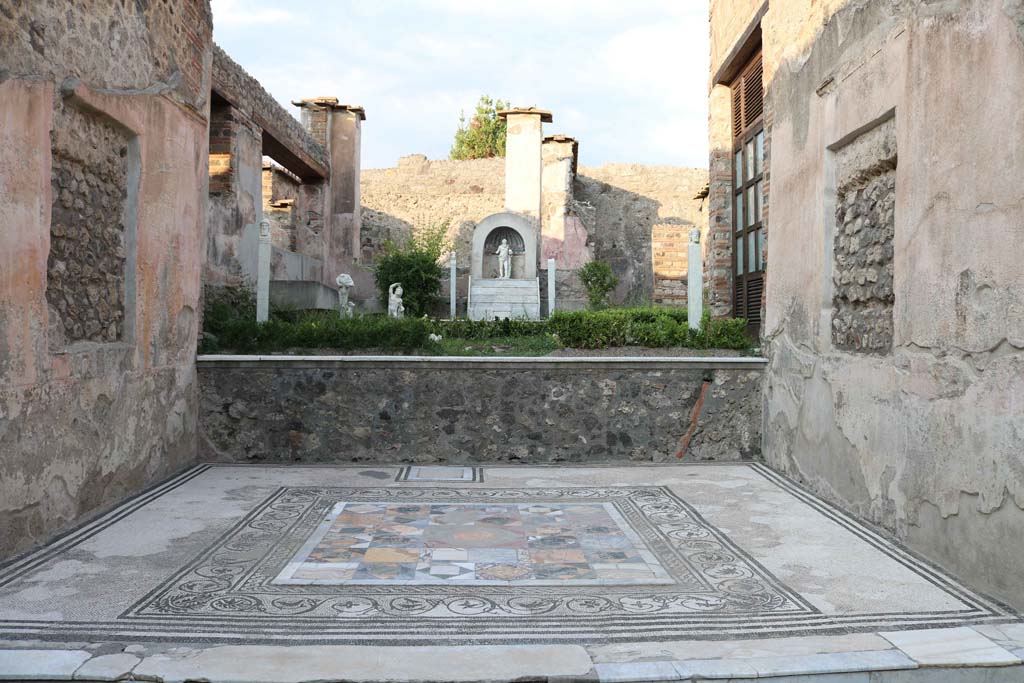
(293,409)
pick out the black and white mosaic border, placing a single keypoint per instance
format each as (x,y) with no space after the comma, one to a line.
(978,609)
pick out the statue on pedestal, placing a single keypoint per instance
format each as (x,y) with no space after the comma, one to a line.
(395,307)
(504,254)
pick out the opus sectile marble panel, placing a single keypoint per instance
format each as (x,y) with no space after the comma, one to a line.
(302,555)
(474,544)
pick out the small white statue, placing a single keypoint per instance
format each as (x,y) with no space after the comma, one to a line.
(395,307)
(504,254)
(345,307)
(695,236)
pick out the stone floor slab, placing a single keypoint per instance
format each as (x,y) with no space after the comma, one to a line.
(950,647)
(40,665)
(247,664)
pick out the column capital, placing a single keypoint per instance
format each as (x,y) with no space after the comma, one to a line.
(332,103)
(544,114)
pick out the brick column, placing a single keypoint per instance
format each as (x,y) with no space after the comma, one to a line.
(523,159)
(718,270)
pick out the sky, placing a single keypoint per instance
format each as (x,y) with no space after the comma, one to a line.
(627,78)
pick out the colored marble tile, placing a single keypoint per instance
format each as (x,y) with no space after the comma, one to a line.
(492,543)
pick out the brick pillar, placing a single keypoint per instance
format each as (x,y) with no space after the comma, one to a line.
(523,159)
(718,269)
(333,216)
(344,144)
(236,189)
(315,114)
(558,173)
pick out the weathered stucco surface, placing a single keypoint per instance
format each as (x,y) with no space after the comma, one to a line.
(926,439)
(84,424)
(443,411)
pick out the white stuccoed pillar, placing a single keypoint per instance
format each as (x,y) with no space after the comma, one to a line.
(551,286)
(263,273)
(452,273)
(694,281)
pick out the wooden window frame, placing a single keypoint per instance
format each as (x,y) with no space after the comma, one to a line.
(748,225)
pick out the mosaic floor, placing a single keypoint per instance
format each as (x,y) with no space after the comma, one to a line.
(235,553)
(473,544)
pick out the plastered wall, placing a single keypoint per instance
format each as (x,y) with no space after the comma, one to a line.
(85,422)
(922,433)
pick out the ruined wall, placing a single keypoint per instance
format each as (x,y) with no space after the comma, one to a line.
(440,410)
(619,207)
(626,208)
(102,188)
(916,428)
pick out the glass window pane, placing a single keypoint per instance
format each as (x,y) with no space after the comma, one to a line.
(750,159)
(759,142)
(738,217)
(760,249)
(751,253)
(739,256)
(750,205)
(739,169)
(760,201)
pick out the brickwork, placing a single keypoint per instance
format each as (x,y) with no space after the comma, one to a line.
(86,267)
(221,131)
(718,244)
(314,119)
(670,259)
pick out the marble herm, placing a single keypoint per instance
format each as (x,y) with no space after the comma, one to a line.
(395,307)
(345,283)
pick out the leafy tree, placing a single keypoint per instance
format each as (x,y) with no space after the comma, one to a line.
(599,280)
(484,136)
(414,265)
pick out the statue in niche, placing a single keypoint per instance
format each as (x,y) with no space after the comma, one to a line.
(504,254)
(345,307)
(395,307)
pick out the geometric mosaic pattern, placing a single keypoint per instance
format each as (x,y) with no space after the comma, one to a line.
(433,564)
(277,563)
(474,544)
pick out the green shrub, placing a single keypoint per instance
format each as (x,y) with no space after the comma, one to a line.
(463,328)
(599,280)
(652,327)
(415,266)
(314,330)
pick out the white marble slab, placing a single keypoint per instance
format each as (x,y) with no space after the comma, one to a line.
(962,646)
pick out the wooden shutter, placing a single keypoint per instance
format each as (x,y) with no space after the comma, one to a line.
(747,97)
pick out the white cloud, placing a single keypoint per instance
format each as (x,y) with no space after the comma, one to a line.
(626,77)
